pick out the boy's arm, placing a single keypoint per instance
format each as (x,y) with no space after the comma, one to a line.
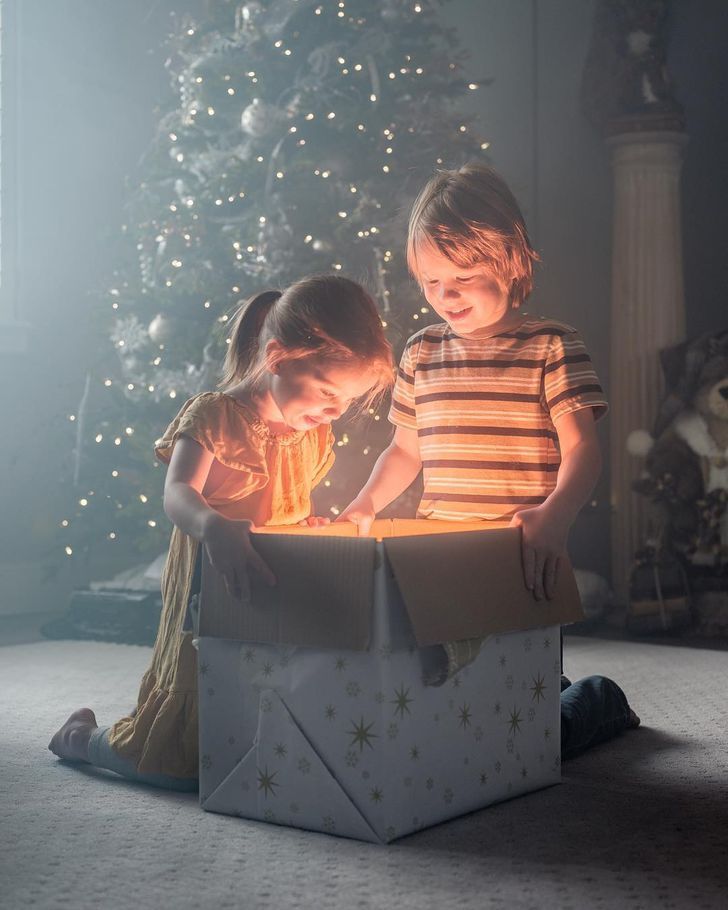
(545,528)
(395,469)
(581,464)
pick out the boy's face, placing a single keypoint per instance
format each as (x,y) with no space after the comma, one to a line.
(468,299)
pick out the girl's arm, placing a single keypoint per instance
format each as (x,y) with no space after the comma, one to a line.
(394,471)
(545,528)
(226,541)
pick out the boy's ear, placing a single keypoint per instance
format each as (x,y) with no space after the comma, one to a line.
(273,355)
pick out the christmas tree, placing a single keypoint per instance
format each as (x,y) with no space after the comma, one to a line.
(298,134)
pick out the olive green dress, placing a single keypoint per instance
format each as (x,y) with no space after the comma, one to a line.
(269,481)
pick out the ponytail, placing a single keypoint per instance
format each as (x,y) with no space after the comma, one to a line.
(242,353)
(325,316)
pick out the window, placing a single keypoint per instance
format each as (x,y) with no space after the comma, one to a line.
(13,331)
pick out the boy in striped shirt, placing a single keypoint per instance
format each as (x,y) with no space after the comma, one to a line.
(496,407)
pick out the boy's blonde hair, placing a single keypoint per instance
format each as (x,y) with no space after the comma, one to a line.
(471,217)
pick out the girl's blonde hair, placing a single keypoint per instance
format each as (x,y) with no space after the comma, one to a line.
(471,217)
(327,317)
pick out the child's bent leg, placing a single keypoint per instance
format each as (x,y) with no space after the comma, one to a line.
(81,739)
(102,755)
(593,710)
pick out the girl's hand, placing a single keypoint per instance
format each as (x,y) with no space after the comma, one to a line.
(314,521)
(543,542)
(361,513)
(230,550)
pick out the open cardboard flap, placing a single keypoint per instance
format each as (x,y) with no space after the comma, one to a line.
(470,585)
(322,597)
(457,579)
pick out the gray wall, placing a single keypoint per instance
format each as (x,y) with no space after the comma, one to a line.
(90,73)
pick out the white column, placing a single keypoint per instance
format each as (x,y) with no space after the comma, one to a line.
(648,313)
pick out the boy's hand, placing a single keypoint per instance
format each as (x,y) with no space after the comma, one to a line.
(361,513)
(314,521)
(230,550)
(543,542)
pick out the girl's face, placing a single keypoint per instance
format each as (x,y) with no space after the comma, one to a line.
(468,299)
(308,393)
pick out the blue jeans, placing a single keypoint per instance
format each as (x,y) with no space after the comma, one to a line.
(593,710)
(101,755)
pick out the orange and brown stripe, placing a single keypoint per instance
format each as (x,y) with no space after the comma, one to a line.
(484,411)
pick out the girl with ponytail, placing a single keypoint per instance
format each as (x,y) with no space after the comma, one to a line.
(248,454)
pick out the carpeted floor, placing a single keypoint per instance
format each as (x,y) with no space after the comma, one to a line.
(641,822)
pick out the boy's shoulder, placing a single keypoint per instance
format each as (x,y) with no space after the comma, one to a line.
(545,325)
(434,334)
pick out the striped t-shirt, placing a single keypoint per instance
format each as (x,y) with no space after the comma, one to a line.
(484,409)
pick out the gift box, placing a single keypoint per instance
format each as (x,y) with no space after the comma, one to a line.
(317,707)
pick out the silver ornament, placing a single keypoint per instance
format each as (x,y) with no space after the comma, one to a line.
(259,118)
(161,328)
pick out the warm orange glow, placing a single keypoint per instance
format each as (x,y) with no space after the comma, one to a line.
(386,527)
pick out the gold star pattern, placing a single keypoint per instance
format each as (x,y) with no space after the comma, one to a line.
(340,664)
(415,753)
(330,712)
(538,687)
(402,700)
(249,655)
(267,669)
(376,795)
(514,722)
(464,715)
(280,750)
(361,734)
(266,782)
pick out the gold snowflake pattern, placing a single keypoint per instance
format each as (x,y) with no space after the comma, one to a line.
(361,734)
(538,688)
(376,795)
(267,782)
(402,701)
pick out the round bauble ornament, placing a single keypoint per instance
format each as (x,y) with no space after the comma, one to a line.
(259,118)
(161,328)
